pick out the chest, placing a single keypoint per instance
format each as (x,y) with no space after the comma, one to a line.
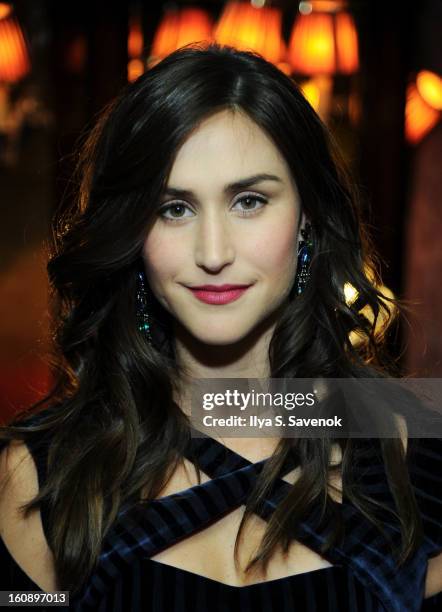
(210,551)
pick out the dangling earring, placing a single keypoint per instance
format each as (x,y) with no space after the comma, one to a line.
(143,317)
(305,251)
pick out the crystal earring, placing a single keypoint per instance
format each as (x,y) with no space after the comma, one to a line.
(143,317)
(305,251)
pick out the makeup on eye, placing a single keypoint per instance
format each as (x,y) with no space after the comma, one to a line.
(253,197)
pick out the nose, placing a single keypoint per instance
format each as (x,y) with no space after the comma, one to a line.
(214,248)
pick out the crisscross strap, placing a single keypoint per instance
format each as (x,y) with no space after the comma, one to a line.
(145,530)
(142,531)
(364,549)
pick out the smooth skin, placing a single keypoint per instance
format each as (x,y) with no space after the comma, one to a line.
(214,235)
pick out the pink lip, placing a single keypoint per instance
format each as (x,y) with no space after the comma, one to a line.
(221,294)
(218,287)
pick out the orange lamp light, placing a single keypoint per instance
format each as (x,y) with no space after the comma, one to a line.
(347,54)
(429,85)
(14,60)
(135,68)
(247,27)
(5,10)
(179,28)
(420,118)
(324,41)
(135,39)
(135,44)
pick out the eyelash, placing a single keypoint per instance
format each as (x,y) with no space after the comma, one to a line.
(248,196)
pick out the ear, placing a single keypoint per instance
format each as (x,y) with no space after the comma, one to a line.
(302,221)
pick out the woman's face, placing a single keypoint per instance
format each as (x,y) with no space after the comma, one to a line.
(210,230)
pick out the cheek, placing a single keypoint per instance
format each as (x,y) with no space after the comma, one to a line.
(276,248)
(159,259)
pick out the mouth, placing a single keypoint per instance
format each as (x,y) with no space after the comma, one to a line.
(218,294)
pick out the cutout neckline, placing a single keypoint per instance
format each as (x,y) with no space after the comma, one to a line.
(218,461)
(238,587)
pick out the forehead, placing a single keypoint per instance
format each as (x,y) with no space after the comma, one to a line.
(225,147)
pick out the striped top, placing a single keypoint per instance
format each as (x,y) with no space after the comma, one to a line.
(363,576)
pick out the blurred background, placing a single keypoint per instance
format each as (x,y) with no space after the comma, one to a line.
(372,69)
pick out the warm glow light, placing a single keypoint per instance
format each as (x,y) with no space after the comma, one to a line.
(76,54)
(311,91)
(179,28)
(5,10)
(284,67)
(14,61)
(346,44)
(326,6)
(318,91)
(383,319)
(324,43)
(135,68)
(245,27)
(420,118)
(429,85)
(350,294)
(135,38)
(312,47)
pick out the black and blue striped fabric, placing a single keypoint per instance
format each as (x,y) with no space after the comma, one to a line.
(363,576)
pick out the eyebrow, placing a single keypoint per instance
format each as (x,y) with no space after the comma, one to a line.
(229,189)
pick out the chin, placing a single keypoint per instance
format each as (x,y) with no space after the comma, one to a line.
(223,337)
(211,341)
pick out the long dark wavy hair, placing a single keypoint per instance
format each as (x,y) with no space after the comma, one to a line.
(115,430)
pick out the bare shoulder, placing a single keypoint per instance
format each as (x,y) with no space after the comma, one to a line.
(433,583)
(23,537)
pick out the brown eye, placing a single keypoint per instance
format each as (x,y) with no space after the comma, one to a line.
(249,204)
(175,209)
(175,212)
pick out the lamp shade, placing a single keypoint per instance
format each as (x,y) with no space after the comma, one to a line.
(324,43)
(179,28)
(347,54)
(246,27)
(14,60)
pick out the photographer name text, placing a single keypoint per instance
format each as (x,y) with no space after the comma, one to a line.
(275,421)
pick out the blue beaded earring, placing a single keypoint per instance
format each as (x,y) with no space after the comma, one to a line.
(143,318)
(305,252)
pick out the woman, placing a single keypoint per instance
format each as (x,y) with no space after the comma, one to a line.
(212,170)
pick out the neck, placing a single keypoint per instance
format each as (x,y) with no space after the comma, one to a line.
(247,358)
